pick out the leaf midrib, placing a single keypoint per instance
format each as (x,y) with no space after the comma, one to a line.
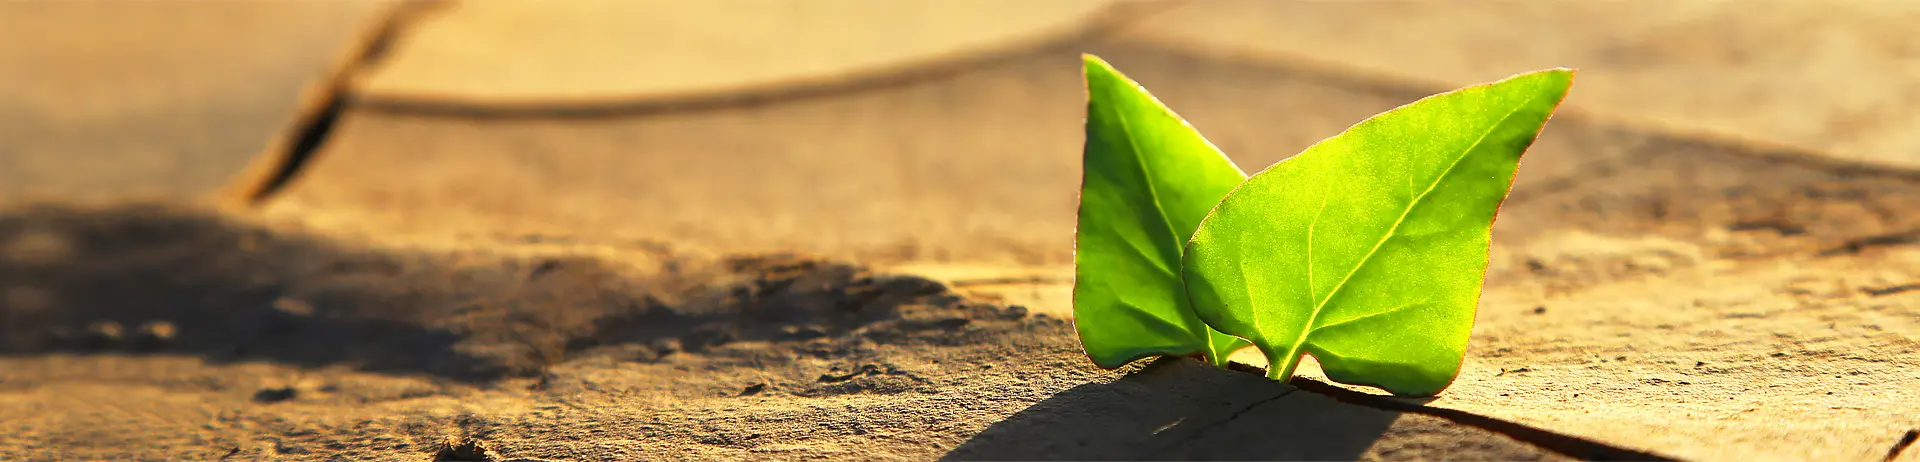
(1146,177)
(1153,192)
(1320,306)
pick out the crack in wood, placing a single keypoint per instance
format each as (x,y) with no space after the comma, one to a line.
(1900,446)
(322,109)
(1890,290)
(1205,429)
(1858,245)
(1564,444)
(1104,23)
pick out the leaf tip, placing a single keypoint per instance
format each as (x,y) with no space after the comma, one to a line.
(1097,67)
(1552,73)
(1555,82)
(1563,76)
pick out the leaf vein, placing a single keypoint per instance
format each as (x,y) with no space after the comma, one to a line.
(1311,226)
(1253,303)
(1373,315)
(1153,192)
(1321,304)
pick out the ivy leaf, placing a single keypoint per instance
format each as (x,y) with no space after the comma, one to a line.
(1149,179)
(1368,250)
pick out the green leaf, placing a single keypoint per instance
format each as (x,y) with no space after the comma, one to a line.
(1149,179)
(1368,249)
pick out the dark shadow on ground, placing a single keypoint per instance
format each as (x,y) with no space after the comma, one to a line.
(1184,410)
(1181,410)
(158,280)
(150,279)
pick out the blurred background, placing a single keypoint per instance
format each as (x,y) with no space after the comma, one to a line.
(403,189)
(881,130)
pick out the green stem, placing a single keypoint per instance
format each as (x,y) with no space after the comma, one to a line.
(1214,356)
(1280,367)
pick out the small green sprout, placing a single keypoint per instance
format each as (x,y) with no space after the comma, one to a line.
(1367,250)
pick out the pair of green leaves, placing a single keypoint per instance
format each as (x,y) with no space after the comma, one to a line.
(1367,250)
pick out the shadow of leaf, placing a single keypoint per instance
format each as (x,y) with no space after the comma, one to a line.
(1184,410)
